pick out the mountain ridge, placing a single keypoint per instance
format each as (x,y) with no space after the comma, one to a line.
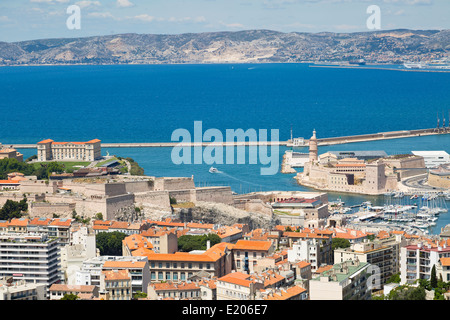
(256,46)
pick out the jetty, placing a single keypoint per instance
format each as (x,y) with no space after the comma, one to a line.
(320,142)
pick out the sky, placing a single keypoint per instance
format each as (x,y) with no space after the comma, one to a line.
(41,19)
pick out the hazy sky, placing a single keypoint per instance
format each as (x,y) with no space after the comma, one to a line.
(38,19)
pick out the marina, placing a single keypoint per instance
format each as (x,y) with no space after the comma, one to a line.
(416,214)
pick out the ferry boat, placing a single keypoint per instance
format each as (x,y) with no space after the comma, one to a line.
(410,65)
(213,170)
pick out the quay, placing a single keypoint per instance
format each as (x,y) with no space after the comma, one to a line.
(320,142)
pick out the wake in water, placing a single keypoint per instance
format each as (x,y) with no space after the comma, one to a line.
(237,179)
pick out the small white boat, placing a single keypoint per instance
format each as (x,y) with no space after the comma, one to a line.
(213,170)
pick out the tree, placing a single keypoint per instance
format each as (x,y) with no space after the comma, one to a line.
(188,243)
(173,200)
(70,296)
(13,209)
(110,243)
(139,295)
(406,292)
(339,243)
(395,278)
(433,278)
(98,216)
(54,167)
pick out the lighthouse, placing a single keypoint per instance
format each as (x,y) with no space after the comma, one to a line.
(313,153)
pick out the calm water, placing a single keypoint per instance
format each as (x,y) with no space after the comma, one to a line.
(147,103)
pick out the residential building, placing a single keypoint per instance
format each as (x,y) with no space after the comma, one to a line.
(117,283)
(246,254)
(443,269)
(384,254)
(34,258)
(92,268)
(176,291)
(10,153)
(163,241)
(181,266)
(139,272)
(344,281)
(11,289)
(58,291)
(417,260)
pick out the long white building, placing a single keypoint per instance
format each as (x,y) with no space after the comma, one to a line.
(76,151)
(433,159)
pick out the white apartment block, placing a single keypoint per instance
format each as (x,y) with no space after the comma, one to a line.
(34,258)
(76,151)
(384,254)
(91,270)
(305,250)
(416,261)
(345,281)
(11,289)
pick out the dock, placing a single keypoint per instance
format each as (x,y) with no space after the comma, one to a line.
(320,142)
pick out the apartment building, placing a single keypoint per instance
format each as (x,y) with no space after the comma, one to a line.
(246,254)
(163,241)
(34,258)
(309,250)
(91,269)
(344,281)
(139,272)
(417,261)
(58,291)
(181,266)
(383,254)
(176,291)
(116,284)
(242,286)
(11,289)
(443,269)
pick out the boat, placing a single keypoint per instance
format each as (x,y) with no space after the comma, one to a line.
(213,170)
(410,65)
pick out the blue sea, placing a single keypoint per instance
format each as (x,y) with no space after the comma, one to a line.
(146,103)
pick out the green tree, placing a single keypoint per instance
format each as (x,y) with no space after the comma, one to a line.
(70,296)
(173,200)
(54,167)
(13,209)
(395,278)
(139,295)
(188,243)
(433,278)
(339,243)
(110,243)
(407,293)
(98,216)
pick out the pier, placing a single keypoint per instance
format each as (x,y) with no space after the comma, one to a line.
(320,142)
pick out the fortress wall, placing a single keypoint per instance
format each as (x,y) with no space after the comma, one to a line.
(138,186)
(184,195)
(153,198)
(44,209)
(215,194)
(119,204)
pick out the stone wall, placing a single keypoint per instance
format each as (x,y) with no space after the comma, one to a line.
(215,194)
(44,209)
(153,198)
(188,195)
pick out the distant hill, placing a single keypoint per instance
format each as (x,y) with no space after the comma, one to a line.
(259,46)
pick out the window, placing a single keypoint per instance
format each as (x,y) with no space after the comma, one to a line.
(160,265)
(182,276)
(160,276)
(200,266)
(190,265)
(182,266)
(167,275)
(174,265)
(167,265)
